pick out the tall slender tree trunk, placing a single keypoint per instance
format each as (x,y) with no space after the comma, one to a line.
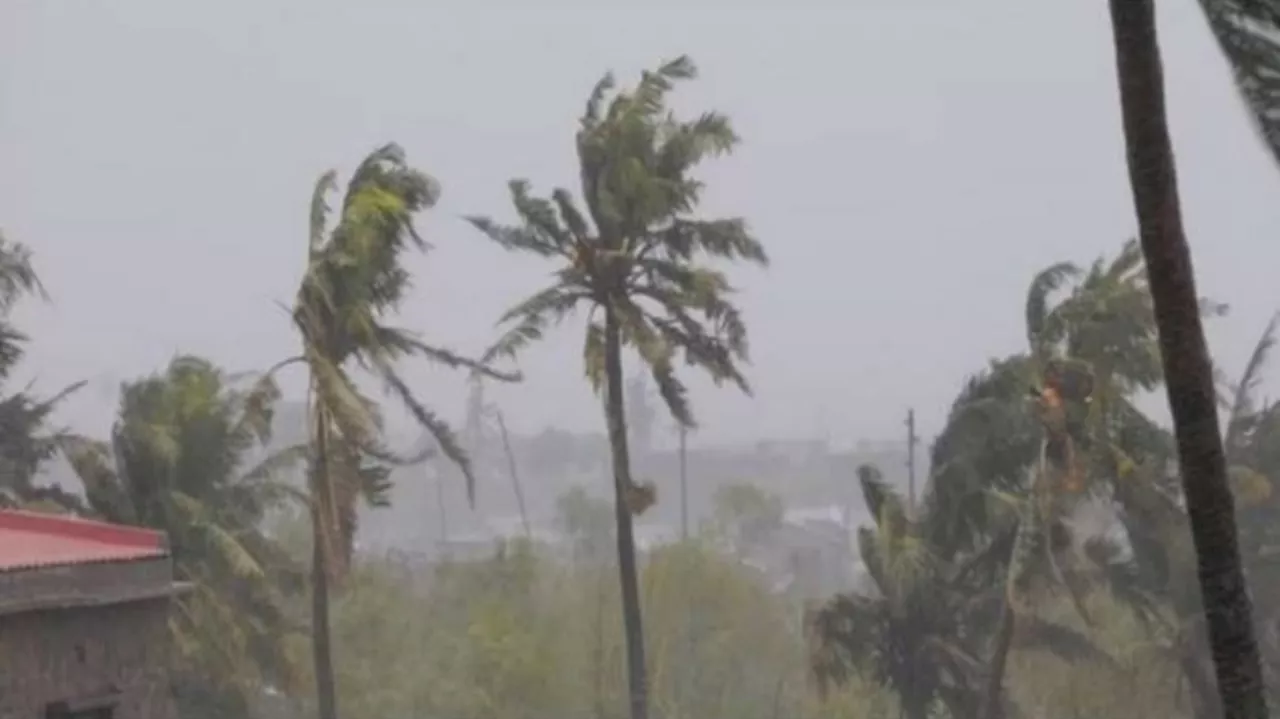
(615,415)
(1188,370)
(321,647)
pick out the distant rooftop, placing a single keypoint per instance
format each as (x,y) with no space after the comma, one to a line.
(30,540)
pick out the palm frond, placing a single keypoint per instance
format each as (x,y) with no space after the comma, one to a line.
(728,239)
(327,183)
(351,412)
(528,329)
(258,408)
(197,518)
(404,342)
(18,276)
(1248,33)
(591,116)
(92,463)
(593,355)
(572,218)
(1243,403)
(439,429)
(1044,284)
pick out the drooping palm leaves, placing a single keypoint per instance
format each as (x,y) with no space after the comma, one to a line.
(187,456)
(1091,345)
(354,281)
(637,261)
(1248,32)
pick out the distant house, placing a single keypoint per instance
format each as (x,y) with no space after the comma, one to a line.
(84,610)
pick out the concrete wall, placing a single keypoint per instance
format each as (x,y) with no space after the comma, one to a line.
(80,653)
(80,584)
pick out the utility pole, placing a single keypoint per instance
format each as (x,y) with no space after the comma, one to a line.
(684,485)
(912,439)
(514,473)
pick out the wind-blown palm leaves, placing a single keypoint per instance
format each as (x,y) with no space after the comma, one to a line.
(1248,32)
(26,440)
(909,633)
(635,260)
(179,461)
(922,628)
(1155,577)
(1088,351)
(354,280)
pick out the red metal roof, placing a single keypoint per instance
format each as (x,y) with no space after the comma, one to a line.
(29,539)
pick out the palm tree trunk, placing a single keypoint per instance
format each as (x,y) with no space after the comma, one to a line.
(616,418)
(1188,370)
(321,647)
(992,706)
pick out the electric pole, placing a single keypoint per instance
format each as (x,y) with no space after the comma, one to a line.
(912,439)
(513,472)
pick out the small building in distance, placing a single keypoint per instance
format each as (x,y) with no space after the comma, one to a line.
(84,610)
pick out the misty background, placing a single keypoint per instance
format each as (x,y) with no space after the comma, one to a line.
(158,158)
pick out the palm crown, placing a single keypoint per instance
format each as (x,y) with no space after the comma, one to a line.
(636,253)
(354,280)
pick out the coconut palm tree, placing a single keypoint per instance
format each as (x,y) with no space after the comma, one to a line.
(355,280)
(186,456)
(635,261)
(1241,29)
(26,439)
(921,628)
(1097,326)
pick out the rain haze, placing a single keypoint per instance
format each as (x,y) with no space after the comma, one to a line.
(159,159)
(909,168)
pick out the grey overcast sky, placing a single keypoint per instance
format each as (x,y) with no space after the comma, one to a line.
(909,165)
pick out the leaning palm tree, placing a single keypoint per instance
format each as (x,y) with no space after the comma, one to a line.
(920,628)
(1242,28)
(354,280)
(635,260)
(187,456)
(1097,323)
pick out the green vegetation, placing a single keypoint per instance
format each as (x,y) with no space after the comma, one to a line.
(989,597)
(638,256)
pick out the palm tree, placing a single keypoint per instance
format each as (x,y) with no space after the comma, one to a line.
(1100,330)
(920,629)
(634,259)
(1188,369)
(354,280)
(179,460)
(26,440)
